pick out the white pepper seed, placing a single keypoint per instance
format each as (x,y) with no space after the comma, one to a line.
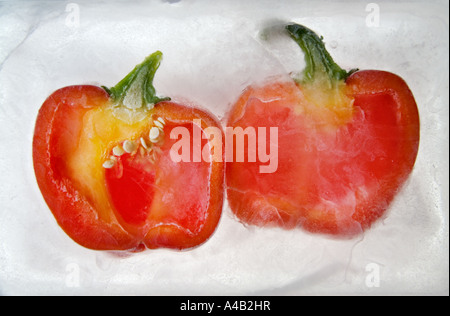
(118,151)
(144,143)
(159,125)
(129,146)
(108,164)
(154,134)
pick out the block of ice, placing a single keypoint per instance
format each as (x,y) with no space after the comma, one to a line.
(212,50)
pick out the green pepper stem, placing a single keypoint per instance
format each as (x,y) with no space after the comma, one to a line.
(318,61)
(136,90)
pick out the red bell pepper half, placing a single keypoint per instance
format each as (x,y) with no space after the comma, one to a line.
(102,161)
(347,142)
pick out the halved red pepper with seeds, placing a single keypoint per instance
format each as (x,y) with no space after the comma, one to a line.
(102,161)
(347,142)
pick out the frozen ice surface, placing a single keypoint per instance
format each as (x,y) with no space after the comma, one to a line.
(212,51)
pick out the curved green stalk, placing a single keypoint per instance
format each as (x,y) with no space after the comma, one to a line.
(136,90)
(319,63)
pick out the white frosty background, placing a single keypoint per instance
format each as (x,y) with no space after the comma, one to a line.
(212,50)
